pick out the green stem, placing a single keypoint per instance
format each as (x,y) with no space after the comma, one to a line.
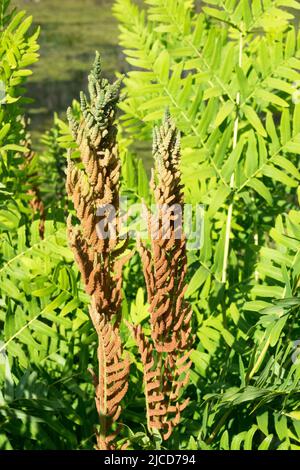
(218,427)
(232,179)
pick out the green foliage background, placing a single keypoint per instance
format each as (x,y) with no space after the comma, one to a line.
(228,76)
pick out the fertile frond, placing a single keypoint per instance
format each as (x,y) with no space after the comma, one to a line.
(165,356)
(165,265)
(112,382)
(164,381)
(94,188)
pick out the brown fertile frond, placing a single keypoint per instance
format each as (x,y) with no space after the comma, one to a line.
(165,264)
(164,380)
(166,152)
(155,400)
(112,381)
(94,189)
(176,377)
(166,362)
(95,135)
(93,186)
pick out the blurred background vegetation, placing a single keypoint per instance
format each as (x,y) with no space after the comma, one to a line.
(71,31)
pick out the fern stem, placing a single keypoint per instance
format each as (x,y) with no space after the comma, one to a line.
(256,243)
(102,397)
(234,144)
(259,360)
(218,427)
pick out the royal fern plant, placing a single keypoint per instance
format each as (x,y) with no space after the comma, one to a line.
(229,73)
(220,368)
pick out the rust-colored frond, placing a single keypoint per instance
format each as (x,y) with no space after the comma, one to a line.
(93,186)
(95,135)
(94,190)
(165,263)
(164,381)
(165,356)
(155,400)
(112,381)
(176,378)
